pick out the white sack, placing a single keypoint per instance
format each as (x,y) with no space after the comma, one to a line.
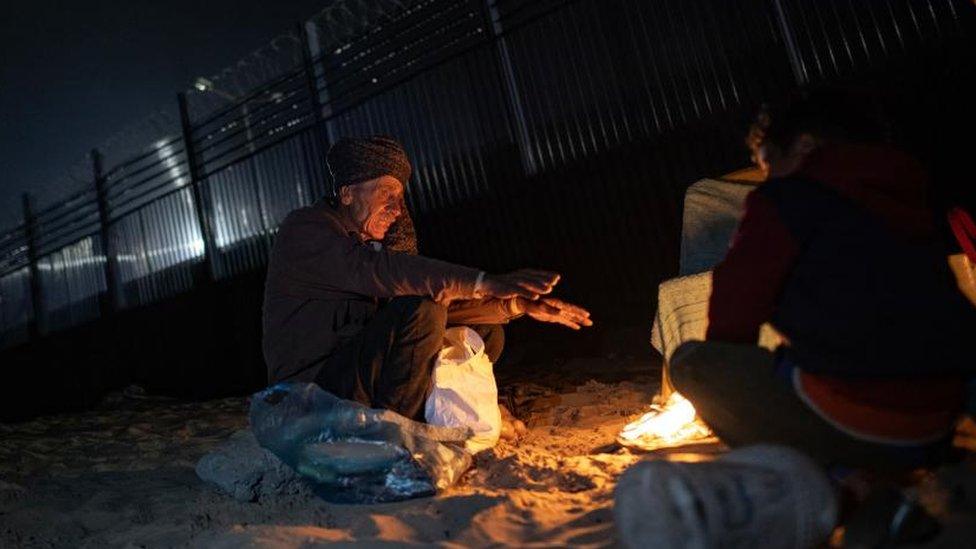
(464,393)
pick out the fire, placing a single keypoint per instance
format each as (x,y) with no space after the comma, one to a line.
(668,425)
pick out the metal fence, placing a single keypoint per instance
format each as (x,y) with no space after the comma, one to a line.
(543,132)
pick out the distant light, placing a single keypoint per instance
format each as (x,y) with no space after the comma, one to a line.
(203,84)
(206,85)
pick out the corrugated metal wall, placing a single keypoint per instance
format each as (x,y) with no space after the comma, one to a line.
(156,248)
(547,133)
(72,279)
(153,234)
(258,159)
(69,262)
(16,308)
(596,76)
(844,39)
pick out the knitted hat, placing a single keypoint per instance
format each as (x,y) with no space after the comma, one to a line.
(356,159)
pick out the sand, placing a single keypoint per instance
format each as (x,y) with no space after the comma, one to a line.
(123,476)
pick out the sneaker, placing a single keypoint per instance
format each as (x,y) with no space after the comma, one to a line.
(760,495)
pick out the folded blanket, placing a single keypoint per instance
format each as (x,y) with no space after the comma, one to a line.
(682,314)
(712,212)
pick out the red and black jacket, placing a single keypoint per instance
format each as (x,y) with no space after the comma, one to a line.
(844,260)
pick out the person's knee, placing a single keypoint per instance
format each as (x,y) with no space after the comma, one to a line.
(421,321)
(420,309)
(686,367)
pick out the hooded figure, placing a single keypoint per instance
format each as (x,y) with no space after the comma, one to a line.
(837,251)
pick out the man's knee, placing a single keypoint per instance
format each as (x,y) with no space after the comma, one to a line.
(420,309)
(687,366)
(718,366)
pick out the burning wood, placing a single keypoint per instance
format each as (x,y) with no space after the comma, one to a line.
(667,425)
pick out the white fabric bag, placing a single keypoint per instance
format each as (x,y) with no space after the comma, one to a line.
(464,393)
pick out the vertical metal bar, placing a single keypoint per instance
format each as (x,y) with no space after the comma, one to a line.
(792,49)
(320,134)
(511,90)
(109,302)
(206,273)
(37,302)
(308,63)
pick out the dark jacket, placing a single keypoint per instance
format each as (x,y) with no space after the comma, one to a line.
(845,261)
(325,282)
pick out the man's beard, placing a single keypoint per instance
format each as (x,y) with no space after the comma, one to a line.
(373,223)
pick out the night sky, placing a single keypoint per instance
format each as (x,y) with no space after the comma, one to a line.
(72,74)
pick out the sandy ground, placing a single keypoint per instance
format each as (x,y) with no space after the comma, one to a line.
(123,476)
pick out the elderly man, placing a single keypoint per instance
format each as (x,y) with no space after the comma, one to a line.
(364,321)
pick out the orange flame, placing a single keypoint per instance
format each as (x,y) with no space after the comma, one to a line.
(668,425)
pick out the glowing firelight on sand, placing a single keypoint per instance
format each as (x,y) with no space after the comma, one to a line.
(666,426)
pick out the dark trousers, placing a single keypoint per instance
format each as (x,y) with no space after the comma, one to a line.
(736,392)
(389,363)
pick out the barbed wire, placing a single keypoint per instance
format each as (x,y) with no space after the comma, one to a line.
(281,54)
(343,20)
(137,137)
(337,24)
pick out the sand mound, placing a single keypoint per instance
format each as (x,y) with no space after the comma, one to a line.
(125,477)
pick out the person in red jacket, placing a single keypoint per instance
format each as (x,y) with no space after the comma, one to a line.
(837,251)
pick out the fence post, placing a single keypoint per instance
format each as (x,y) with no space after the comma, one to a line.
(30,232)
(206,273)
(511,89)
(310,77)
(322,133)
(109,302)
(792,48)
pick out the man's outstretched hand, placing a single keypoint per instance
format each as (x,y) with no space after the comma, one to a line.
(550,309)
(525,283)
(528,285)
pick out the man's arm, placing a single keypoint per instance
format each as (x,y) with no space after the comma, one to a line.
(311,254)
(484,311)
(747,283)
(498,311)
(314,257)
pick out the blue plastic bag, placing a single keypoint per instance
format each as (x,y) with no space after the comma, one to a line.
(353,454)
